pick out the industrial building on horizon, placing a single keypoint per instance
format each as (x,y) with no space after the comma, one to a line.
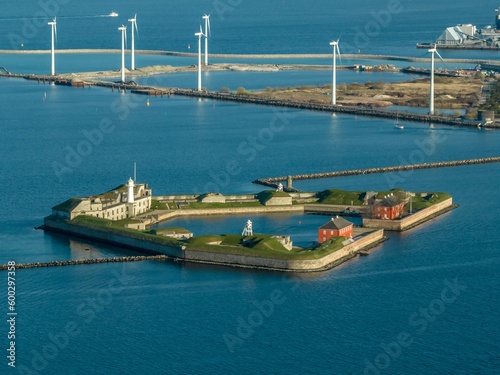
(468,36)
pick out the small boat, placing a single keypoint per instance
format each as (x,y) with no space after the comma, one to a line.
(113,14)
(397,125)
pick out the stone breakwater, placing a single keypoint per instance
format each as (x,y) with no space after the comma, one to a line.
(252,99)
(352,110)
(272,181)
(75,262)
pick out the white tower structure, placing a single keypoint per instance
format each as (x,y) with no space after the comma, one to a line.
(123,29)
(130,193)
(433,51)
(199,35)
(132,47)
(53,24)
(207,33)
(335,45)
(247,231)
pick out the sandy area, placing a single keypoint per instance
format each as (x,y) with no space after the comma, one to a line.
(449,93)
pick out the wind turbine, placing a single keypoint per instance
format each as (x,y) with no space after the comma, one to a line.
(123,29)
(433,51)
(335,45)
(53,24)
(134,29)
(199,35)
(207,33)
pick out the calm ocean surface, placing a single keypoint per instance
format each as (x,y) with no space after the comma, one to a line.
(174,318)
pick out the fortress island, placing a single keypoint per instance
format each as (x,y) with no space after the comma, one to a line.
(129,214)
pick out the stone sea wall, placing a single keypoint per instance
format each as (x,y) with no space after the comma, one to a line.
(347,252)
(411,220)
(112,238)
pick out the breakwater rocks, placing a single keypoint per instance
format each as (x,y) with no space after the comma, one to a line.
(273,180)
(360,111)
(253,99)
(76,262)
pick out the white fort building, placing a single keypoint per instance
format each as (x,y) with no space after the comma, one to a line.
(123,202)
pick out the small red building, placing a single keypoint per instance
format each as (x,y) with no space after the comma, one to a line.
(389,208)
(336,227)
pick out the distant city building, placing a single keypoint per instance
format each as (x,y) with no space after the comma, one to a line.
(127,200)
(336,227)
(389,208)
(457,35)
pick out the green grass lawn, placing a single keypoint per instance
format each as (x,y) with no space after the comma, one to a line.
(199,205)
(261,245)
(419,203)
(342,197)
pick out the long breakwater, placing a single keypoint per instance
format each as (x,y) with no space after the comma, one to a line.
(272,181)
(76,262)
(252,99)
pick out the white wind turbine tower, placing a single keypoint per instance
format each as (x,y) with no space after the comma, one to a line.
(53,24)
(207,33)
(335,45)
(433,51)
(123,29)
(134,30)
(199,35)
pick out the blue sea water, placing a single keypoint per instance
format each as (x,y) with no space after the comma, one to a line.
(169,317)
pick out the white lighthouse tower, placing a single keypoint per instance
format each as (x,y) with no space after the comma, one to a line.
(130,193)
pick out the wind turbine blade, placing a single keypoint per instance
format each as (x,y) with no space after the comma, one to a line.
(209,32)
(437,53)
(125,33)
(55,29)
(338,51)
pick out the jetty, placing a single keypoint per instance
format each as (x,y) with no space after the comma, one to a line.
(134,88)
(273,181)
(76,262)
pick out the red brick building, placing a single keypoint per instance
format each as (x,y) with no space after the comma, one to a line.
(336,227)
(389,208)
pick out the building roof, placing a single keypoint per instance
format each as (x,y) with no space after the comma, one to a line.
(336,223)
(68,205)
(390,201)
(451,34)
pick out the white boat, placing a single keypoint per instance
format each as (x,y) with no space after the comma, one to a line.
(397,125)
(113,14)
